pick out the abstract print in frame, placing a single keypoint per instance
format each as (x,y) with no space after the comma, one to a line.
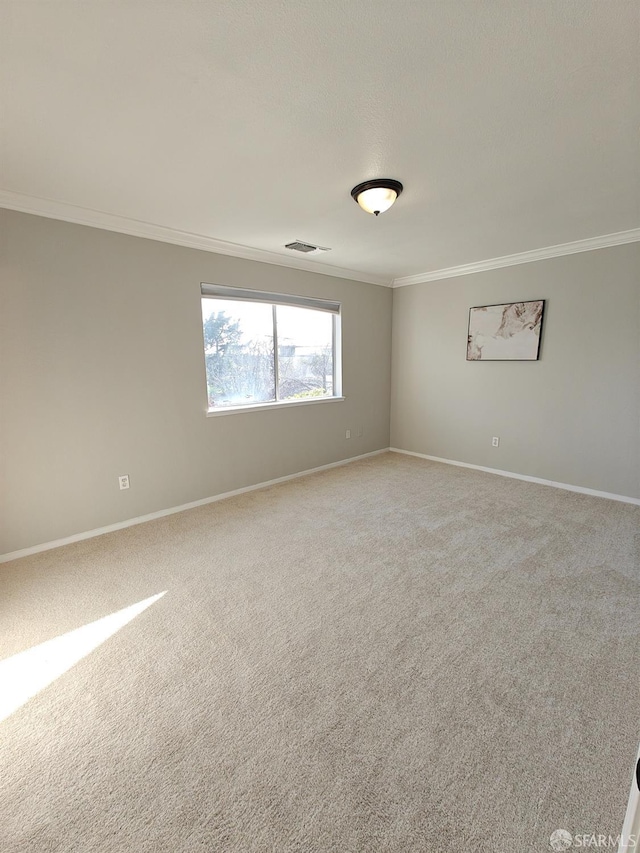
(509,332)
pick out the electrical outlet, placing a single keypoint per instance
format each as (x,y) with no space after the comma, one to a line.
(495,441)
(124,481)
(348,434)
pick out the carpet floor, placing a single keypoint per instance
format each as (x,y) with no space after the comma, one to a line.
(389,657)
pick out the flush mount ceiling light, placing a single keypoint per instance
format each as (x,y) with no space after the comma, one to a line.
(377,196)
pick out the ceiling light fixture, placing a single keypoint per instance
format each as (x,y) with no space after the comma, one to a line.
(377,196)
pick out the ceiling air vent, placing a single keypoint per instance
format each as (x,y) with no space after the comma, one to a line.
(299,246)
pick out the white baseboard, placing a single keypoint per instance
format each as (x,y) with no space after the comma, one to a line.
(141,519)
(566,486)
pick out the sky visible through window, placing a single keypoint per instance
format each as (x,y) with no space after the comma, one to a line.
(310,326)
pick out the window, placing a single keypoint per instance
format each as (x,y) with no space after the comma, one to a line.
(268,348)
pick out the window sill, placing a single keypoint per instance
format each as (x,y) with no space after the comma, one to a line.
(234,410)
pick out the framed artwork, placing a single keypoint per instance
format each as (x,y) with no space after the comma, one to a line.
(509,332)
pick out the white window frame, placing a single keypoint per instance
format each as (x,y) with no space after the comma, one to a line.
(237,294)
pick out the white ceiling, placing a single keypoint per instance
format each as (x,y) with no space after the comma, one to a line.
(512,123)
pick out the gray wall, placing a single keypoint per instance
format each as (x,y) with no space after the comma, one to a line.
(102,373)
(573,416)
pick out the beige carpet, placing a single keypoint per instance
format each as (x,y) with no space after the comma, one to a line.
(396,655)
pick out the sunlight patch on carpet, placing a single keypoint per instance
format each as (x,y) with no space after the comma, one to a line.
(25,674)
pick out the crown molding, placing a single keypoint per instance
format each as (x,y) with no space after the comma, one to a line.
(135,228)
(591,243)
(147,230)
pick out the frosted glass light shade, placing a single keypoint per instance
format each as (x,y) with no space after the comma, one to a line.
(376,196)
